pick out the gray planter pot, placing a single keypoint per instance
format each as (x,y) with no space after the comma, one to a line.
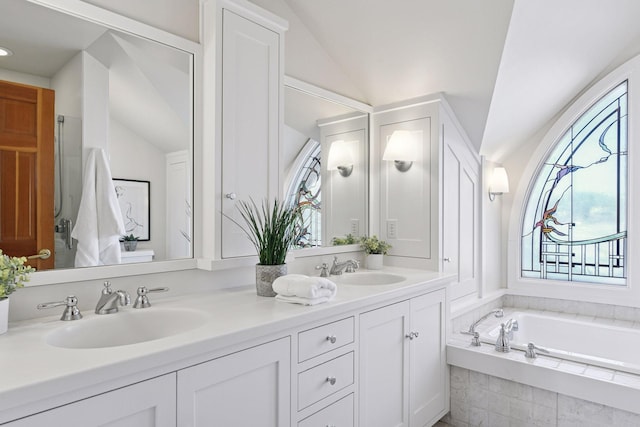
(130,245)
(265,275)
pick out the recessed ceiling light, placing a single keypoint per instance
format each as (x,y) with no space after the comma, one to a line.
(5,52)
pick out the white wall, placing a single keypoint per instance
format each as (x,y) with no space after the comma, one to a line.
(180,17)
(305,59)
(132,157)
(26,79)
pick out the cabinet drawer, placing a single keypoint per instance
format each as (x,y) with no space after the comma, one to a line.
(323,380)
(317,341)
(339,414)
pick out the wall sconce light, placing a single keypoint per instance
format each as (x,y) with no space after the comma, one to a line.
(5,51)
(341,157)
(401,149)
(499,183)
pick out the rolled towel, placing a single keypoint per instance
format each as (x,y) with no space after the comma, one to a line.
(299,285)
(303,301)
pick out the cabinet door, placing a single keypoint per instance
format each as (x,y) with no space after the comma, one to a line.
(384,361)
(250,122)
(248,388)
(460,207)
(150,403)
(427,390)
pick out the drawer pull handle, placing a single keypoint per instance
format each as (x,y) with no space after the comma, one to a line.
(331,425)
(331,380)
(412,335)
(331,339)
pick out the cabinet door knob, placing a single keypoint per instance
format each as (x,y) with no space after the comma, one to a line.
(331,339)
(230,196)
(447,259)
(412,335)
(331,380)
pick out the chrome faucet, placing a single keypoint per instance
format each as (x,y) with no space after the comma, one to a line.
(498,312)
(109,300)
(475,341)
(71,311)
(349,266)
(502,343)
(530,352)
(510,327)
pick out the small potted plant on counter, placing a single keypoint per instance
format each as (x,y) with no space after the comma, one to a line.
(272,230)
(130,242)
(375,250)
(13,274)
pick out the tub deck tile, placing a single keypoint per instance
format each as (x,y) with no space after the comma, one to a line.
(599,373)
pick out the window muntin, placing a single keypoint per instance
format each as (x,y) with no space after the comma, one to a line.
(575,223)
(305,192)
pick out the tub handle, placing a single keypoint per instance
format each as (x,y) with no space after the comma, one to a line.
(530,353)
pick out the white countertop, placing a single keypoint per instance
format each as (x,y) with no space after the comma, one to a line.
(37,375)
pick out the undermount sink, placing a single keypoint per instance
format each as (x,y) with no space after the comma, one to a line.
(369,278)
(128,326)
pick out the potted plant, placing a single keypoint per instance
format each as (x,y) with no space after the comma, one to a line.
(130,242)
(13,274)
(375,250)
(349,239)
(271,228)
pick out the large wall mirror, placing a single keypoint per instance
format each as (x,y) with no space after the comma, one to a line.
(325,152)
(128,95)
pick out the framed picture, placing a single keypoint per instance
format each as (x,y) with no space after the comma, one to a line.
(133,198)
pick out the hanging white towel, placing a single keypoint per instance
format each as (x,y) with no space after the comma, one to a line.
(99,224)
(299,285)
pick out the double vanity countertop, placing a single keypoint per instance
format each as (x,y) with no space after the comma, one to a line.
(37,375)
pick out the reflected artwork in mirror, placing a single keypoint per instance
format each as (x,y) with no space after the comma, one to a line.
(321,127)
(128,95)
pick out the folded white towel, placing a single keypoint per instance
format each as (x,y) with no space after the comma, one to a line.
(299,285)
(303,301)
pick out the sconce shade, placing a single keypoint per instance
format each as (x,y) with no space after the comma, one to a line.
(401,146)
(341,157)
(499,183)
(401,149)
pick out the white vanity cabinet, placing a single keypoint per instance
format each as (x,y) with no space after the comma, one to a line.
(403,380)
(325,375)
(247,388)
(249,84)
(151,403)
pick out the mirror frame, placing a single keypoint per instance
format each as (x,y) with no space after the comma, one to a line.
(89,12)
(316,91)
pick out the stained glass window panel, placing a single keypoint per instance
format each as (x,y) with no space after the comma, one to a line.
(574,226)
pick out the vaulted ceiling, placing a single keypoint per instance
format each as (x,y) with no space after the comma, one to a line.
(506,67)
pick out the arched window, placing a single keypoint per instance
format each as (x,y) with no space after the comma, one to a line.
(305,191)
(575,222)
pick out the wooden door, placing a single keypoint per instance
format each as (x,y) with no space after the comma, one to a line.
(26,171)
